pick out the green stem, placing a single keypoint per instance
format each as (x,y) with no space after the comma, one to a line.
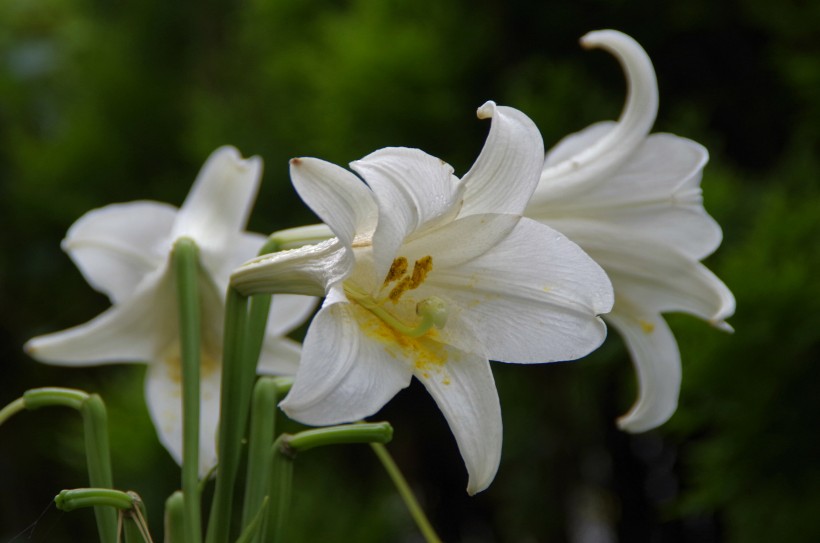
(77,498)
(260,439)
(258,315)
(12,409)
(272,245)
(186,269)
(36,398)
(253,528)
(283,385)
(293,238)
(175,518)
(407,495)
(232,416)
(284,451)
(97,451)
(98,457)
(263,409)
(281,482)
(364,432)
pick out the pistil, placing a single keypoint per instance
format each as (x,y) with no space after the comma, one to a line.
(433,312)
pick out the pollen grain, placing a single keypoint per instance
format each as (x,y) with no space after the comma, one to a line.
(426,353)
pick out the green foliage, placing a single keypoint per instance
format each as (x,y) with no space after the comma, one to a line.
(752,451)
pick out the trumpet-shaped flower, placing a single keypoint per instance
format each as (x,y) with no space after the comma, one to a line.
(633,202)
(431,276)
(123,250)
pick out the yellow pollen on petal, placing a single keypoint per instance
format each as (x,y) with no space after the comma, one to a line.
(646,326)
(425,352)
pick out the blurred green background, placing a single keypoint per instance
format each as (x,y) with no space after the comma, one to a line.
(104,102)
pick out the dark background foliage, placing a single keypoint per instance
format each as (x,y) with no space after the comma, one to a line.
(105,102)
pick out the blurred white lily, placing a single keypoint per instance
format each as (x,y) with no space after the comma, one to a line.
(123,251)
(431,276)
(633,202)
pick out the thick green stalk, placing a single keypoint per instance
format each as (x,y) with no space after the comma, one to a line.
(281,482)
(232,416)
(406,493)
(175,518)
(244,336)
(259,310)
(186,269)
(260,439)
(98,455)
(253,528)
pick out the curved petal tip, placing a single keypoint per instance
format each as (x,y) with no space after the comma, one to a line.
(232,154)
(636,120)
(487,110)
(642,101)
(656,358)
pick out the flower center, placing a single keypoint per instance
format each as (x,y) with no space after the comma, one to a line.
(210,358)
(431,310)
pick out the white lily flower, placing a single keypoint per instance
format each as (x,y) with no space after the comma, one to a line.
(432,276)
(633,202)
(123,251)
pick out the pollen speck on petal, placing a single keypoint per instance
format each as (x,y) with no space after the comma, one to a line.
(646,326)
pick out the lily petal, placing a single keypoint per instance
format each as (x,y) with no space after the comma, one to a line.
(218,206)
(338,197)
(279,356)
(413,190)
(163,395)
(461,240)
(634,124)
(464,390)
(656,357)
(345,375)
(660,278)
(655,194)
(577,142)
(544,309)
(135,332)
(116,246)
(288,311)
(506,172)
(309,270)
(245,246)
